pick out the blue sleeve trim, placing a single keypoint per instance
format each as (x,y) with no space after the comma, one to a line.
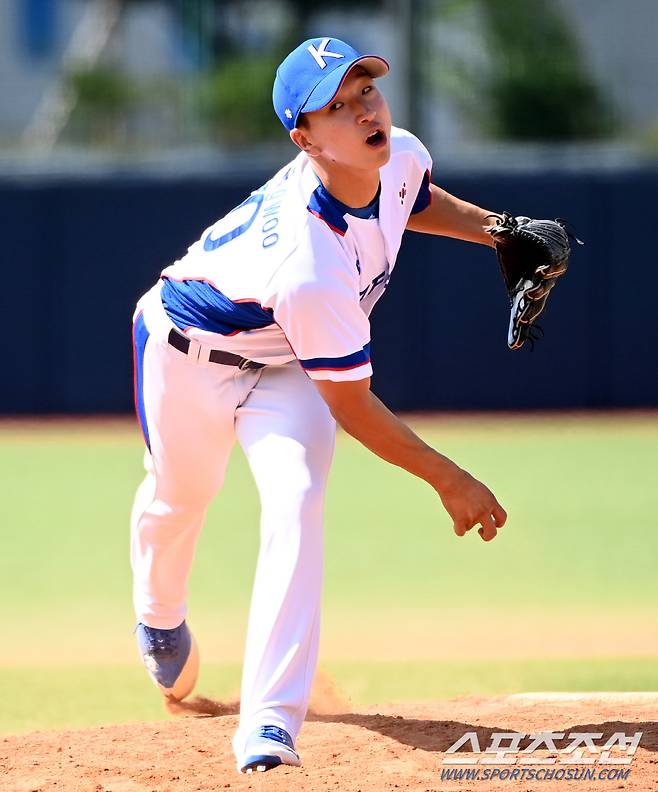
(424,197)
(340,363)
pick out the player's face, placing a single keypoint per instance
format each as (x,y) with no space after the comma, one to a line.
(355,128)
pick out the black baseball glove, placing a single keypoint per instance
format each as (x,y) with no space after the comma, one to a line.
(532,255)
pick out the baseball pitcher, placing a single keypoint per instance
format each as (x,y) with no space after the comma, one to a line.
(260,334)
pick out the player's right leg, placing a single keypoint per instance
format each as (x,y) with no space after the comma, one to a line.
(186,410)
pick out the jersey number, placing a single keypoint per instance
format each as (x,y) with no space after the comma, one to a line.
(210,243)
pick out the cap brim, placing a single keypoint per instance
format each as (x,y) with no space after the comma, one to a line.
(326,89)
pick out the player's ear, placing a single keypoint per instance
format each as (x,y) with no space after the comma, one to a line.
(301,139)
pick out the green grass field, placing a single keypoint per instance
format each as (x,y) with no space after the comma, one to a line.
(565,598)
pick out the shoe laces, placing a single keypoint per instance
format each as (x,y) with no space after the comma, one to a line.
(163,643)
(277,734)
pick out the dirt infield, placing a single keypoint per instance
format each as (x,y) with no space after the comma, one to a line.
(376,749)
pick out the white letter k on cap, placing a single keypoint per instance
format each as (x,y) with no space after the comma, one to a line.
(323,53)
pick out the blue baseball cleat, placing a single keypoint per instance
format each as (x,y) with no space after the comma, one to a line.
(171,658)
(267,748)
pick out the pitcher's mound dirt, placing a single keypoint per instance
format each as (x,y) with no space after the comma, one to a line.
(384,748)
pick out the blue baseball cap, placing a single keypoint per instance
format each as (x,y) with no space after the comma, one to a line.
(310,77)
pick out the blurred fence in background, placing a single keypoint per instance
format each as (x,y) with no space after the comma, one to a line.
(127,126)
(79,252)
(188,81)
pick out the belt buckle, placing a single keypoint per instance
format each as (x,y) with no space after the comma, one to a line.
(244,364)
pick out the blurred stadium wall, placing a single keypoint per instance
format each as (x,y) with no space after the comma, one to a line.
(127,126)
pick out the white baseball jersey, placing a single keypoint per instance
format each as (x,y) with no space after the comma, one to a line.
(294,273)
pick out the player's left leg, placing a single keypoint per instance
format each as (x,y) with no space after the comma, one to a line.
(288,434)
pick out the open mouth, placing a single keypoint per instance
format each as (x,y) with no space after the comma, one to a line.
(376,138)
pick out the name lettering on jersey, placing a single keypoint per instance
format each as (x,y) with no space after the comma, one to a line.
(323,52)
(271,207)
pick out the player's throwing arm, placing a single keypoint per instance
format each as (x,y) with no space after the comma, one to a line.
(362,414)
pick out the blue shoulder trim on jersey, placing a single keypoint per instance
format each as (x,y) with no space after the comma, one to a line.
(193,303)
(366,212)
(424,197)
(325,206)
(340,363)
(332,211)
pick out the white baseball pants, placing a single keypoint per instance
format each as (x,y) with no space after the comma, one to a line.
(191,414)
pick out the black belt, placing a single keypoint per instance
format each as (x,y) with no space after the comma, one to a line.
(182,344)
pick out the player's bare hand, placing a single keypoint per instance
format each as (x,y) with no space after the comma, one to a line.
(469,502)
